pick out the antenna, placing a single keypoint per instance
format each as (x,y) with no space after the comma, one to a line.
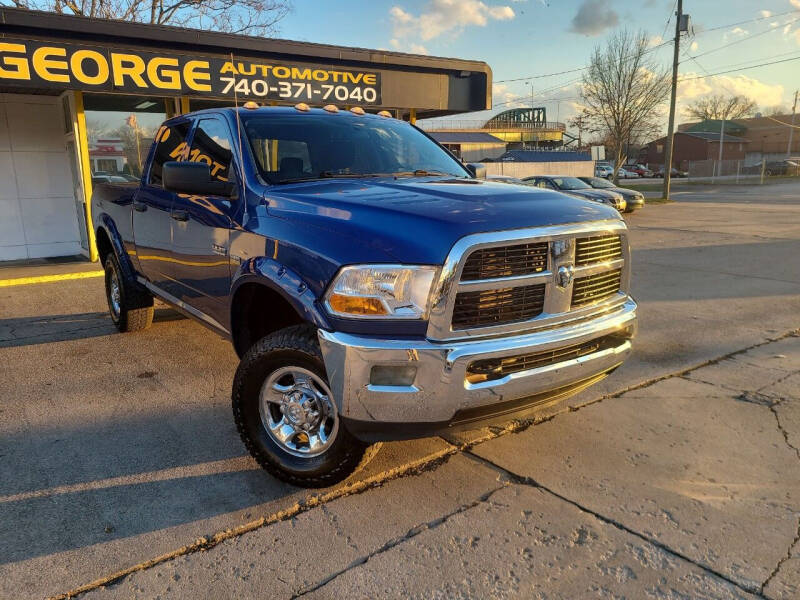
(238,125)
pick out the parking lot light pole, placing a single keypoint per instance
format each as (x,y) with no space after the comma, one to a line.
(671,126)
(791,128)
(721,141)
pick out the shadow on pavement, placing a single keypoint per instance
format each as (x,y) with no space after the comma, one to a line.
(38,329)
(117,477)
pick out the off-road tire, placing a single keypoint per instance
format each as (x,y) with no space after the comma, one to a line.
(296,346)
(135,311)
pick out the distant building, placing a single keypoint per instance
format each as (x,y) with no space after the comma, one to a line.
(545,156)
(518,128)
(693,146)
(470,146)
(526,163)
(107,156)
(767,137)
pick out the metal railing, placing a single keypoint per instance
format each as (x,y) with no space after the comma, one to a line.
(738,171)
(494,125)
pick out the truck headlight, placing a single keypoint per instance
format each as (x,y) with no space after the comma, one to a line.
(382,291)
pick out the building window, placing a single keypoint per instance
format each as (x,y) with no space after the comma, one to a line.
(120,131)
(659,148)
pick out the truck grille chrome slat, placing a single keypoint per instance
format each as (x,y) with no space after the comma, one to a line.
(595,249)
(595,288)
(496,368)
(505,261)
(496,307)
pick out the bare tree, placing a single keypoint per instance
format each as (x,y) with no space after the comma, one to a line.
(774,111)
(721,107)
(579,122)
(622,91)
(254,17)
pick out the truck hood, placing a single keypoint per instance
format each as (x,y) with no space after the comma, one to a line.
(418,220)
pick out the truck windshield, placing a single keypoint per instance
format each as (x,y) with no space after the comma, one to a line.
(291,148)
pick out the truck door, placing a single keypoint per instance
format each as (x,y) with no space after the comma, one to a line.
(201,227)
(152,207)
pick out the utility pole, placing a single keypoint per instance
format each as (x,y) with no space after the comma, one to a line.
(721,142)
(671,126)
(791,129)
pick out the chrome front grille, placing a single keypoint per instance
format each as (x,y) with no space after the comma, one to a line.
(595,288)
(505,282)
(498,306)
(505,261)
(491,369)
(596,249)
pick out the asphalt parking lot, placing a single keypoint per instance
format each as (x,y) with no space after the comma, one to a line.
(122,475)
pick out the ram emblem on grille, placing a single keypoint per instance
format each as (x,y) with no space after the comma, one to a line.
(564,275)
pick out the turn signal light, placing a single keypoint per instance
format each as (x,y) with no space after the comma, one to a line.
(302,107)
(356,305)
(357,110)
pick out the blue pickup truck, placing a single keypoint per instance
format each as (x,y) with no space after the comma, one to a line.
(373,286)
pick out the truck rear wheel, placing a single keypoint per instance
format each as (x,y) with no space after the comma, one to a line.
(286,415)
(130,306)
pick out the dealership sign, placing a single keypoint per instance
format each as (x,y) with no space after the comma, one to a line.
(51,65)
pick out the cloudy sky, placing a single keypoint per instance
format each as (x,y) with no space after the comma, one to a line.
(524,38)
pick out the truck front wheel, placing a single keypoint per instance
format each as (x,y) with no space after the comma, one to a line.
(286,415)
(130,305)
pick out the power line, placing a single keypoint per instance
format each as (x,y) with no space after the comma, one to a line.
(541,76)
(669,18)
(740,40)
(746,63)
(774,62)
(576,70)
(788,12)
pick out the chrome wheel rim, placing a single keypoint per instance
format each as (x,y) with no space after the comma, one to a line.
(114,293)
(297,411)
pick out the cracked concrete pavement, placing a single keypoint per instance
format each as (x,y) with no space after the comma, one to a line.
(121,474)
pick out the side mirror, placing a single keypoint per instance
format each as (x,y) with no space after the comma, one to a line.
(478,170)
(193,178)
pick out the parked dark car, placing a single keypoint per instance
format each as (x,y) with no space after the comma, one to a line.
(673,173)
(504,179)
(633,198)
(640,170)
(575,187)
(373,286)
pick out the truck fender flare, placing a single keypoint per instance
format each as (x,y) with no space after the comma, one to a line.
(106,223)
(285,282)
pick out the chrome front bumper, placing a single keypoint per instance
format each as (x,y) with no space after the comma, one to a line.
(440,389)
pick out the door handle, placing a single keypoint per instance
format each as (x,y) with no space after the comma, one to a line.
(180,215)
(139,206)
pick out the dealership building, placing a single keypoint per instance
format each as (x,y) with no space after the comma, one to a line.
(80,101)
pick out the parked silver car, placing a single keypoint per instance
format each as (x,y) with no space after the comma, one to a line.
(575,187)
(633,199)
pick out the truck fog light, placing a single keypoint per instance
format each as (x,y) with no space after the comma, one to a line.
(392,375)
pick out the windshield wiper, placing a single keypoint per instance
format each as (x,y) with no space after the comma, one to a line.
(423,173)
(331,175)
